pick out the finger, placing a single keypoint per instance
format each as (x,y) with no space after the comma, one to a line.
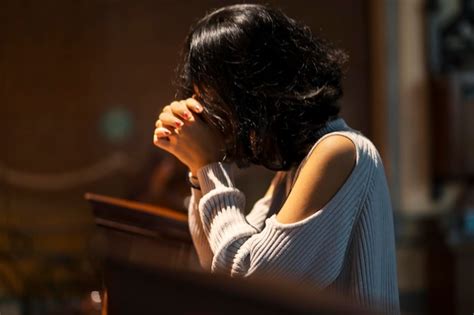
(162,132)
(194,105)
(170,120)
(162,143)
(180,109)
(159,124)
(167,109)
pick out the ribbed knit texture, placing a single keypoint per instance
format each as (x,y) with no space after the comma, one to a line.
(347,246)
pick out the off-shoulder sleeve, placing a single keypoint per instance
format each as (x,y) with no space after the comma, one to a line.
(314,246)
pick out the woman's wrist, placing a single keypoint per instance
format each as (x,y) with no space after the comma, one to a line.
(194,170)
(193,181)
(205,161)
(214,175)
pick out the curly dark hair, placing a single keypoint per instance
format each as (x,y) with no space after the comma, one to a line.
(266,82)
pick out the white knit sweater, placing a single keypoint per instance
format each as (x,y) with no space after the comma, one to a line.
(347,246)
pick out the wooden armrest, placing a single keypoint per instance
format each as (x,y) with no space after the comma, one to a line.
(138,206)
(139,218)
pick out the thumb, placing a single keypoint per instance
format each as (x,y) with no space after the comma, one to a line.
(163,143)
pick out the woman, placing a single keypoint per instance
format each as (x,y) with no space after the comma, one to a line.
(256,87)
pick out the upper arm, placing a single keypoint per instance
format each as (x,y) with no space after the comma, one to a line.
(325,171)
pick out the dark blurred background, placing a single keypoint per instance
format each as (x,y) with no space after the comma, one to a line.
(81,84)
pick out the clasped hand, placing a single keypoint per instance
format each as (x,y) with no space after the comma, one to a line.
(182,132)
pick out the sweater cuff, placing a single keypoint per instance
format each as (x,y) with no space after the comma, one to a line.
(215,175)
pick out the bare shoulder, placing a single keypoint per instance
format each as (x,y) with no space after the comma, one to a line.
(334,149)
(320,178)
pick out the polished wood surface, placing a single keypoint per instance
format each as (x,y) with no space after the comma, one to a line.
(138,206)
(133,217)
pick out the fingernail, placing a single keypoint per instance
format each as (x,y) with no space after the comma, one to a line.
(187,115)
(179,124)
(198,108)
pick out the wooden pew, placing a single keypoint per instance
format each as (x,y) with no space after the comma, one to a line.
(150,267)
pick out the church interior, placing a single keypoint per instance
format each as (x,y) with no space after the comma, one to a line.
(93,216)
